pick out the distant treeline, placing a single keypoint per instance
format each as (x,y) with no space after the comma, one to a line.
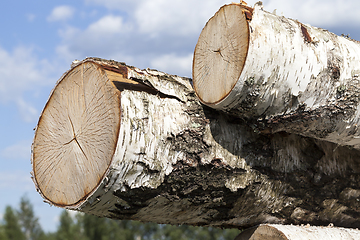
(22,224)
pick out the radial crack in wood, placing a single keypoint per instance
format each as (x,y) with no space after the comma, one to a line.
(81,119)
(155,153)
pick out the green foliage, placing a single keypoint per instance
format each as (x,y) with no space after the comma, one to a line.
(106,229)
(12,227)
(2,233)
(22,224)
(68,228)
(185,232)
(29,223)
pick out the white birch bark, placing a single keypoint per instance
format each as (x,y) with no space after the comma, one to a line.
(77,166)
(292,232)
(294,77)
(119,142)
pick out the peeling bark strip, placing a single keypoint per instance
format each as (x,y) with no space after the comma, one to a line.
(279,74)
(290,232)
(124,143)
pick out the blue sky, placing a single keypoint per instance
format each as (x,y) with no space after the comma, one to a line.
(39,39)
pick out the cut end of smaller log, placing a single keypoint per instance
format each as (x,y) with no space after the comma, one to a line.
(76,135)
(295,232)
(220,53)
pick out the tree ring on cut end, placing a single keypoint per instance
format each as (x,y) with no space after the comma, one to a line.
(220,54)
(76,136)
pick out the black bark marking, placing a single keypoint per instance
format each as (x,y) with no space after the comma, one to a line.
(121,86)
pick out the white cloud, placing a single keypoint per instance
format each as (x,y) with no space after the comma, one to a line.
(30,17)
(104,36)
(18,180)
(22,73)
(61,13)
(116,4)
(177,17)
(185,16)
(152,30)
(27,111)
(173,63)
(163,34)
(66,54)
(319,13)
(18,151)
(107,25)
(68,33)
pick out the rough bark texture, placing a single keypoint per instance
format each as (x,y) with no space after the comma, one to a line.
(291,232)
(295,77)
(179,162)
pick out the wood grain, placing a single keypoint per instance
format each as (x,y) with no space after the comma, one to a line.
(76,135)
(293,77)
(220,54)
(177,161)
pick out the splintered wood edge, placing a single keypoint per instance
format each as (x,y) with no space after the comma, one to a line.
(76,135)
(221,52)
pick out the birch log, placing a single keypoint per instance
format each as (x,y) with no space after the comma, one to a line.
(279,74)
(124,143)
(291,232)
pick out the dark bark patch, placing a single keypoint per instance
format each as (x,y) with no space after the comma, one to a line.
(202,186)
(305,33)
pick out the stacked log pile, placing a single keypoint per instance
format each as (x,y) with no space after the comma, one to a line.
(265,132)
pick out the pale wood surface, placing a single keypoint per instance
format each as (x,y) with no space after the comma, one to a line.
(296,78)
(220,54)
(116,141)
(179,162)
(76,135)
